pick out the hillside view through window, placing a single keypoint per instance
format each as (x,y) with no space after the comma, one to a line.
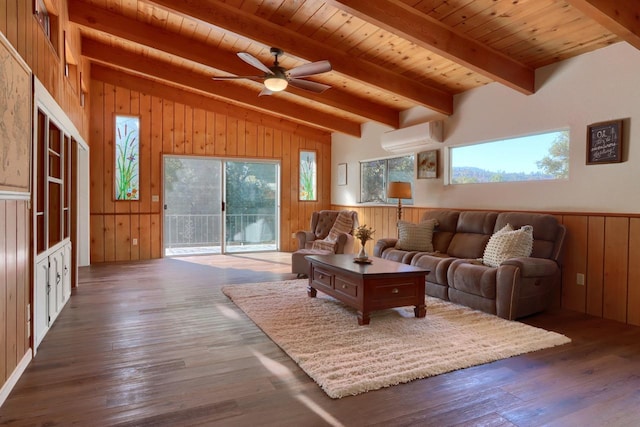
(530,158)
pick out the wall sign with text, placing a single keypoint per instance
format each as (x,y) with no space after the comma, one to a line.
(604,142)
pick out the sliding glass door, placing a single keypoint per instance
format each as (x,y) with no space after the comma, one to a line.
(219,206)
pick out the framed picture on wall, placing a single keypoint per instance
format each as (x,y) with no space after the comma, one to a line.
(428,164)
(342,174)
(308,175)
(604,142)
(15,120)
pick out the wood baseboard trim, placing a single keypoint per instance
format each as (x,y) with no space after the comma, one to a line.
(15,376)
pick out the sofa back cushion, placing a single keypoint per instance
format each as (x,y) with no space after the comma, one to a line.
(547,232)
(446,228)
(473,231)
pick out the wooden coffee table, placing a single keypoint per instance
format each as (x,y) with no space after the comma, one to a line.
(367,287)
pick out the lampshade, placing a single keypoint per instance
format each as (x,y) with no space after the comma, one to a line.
(399,190)
(276,84)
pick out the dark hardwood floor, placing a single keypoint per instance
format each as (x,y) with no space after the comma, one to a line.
(156,343)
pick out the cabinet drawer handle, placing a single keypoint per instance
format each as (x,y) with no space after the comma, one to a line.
(344,286)
(321,276)
(395,291)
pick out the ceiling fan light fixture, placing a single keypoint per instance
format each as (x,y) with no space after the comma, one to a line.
(276,84)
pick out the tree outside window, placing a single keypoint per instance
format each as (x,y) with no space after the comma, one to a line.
(375,174)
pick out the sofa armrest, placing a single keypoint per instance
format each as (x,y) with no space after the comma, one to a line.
(304,237)
(533,267)
(383,244)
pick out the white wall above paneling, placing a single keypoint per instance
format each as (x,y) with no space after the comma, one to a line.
(594,87)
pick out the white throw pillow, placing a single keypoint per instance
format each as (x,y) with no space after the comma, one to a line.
(508,243)
(416,237)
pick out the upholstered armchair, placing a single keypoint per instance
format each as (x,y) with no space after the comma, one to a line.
(329,232)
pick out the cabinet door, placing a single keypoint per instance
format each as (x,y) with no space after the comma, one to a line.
(40,304)
(66,274)
(55,284)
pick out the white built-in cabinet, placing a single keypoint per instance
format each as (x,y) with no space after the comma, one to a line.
(52,219)
(52,288)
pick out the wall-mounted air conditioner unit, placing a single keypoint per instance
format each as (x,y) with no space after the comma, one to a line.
(413,138)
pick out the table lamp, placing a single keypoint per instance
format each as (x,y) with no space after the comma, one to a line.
(399,190)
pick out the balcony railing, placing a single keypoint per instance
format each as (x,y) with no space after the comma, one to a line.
(204,230)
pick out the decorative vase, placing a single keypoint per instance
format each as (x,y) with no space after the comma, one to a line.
(363,253)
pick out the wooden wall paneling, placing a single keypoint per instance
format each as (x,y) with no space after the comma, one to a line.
(269,140)
(251,139)
(199,131)
(144,236)
(12,23)
(188,130)
(123,237)
(24,10)
(154,186)
(220,141)
(96,143)
(156,236)
(260,144)
(210,134)
(108,149)
(241,138)
(109,237)
(146,140)
(616,268)
(178,129)
(595,266)
(11,283)
(574,296)
(633,298)
(3,289)
(288,208)
(168,118)
(232,136)
(3,18)
(97,231)
(30,46)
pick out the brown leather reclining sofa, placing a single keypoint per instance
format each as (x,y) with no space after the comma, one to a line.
(516,288)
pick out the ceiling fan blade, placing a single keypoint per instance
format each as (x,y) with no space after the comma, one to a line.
(310,69)
(255,62)
(265,92)
(308,85)
(237,77)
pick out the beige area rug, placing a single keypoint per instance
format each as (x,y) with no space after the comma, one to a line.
(323,337)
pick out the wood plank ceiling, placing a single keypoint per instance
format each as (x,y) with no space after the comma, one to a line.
(387,55)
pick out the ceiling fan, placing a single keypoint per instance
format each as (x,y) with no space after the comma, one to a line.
(277,79)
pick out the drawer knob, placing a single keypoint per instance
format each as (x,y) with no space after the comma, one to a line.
(395,291)
(344,286)
(321,276)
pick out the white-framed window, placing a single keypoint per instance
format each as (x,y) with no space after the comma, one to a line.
(538,157)
(375,174)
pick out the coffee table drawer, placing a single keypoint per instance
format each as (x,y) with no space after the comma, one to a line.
(323,277)
(345,287)
(400,290)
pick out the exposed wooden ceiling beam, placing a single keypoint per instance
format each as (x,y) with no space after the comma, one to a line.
(620,17)
(148,35)
(242,23)
(172,93)
(407,22)
(239,95)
